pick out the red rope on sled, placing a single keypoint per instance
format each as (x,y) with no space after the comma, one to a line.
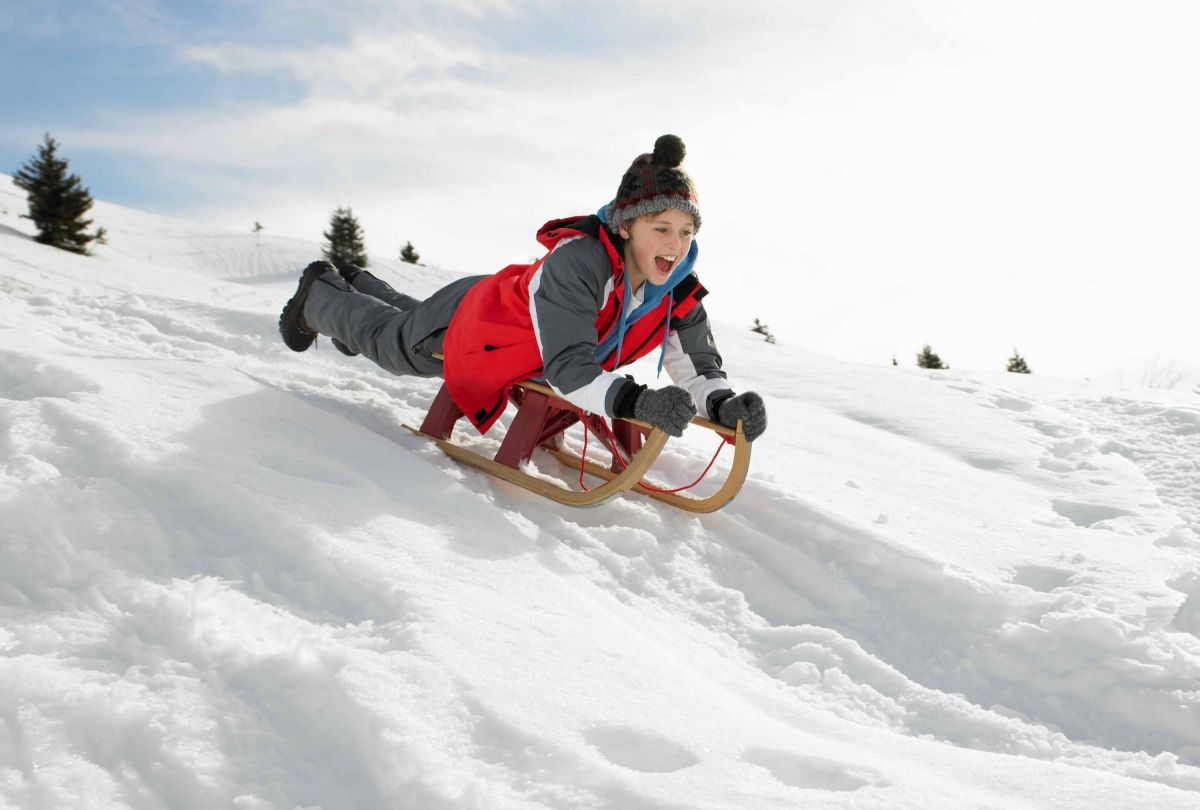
(620,460)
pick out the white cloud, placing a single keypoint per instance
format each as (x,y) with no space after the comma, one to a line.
(839,145)
(378,69)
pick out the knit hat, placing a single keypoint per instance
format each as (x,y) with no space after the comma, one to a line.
(655,183)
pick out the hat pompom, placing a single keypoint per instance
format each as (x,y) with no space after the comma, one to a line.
(653,183)
(669,150)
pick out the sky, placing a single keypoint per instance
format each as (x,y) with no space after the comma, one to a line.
(1027,168)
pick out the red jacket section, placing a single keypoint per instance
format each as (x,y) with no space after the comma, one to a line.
(490,344)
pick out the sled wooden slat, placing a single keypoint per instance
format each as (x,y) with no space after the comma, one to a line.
(729,489)
(593,497)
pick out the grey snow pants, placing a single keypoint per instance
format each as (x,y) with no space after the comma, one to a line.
(400,333)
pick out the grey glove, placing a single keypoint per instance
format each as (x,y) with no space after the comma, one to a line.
(749,408)
(670,408)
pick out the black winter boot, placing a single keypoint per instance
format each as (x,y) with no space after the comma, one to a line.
(295,332)
(349,271)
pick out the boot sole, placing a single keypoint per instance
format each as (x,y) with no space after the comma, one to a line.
(296,335)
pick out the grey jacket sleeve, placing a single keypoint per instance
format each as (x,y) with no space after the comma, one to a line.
(565,296)
(694,363)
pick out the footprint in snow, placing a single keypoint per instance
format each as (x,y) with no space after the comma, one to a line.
(983,462)
(639,750)
(813,773)
(1087,515)
(1041,578)
(1075,442)
(1012,404)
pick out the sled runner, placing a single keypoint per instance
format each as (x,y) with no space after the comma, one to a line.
(541,418)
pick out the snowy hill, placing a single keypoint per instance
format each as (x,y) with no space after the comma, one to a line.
(229,577)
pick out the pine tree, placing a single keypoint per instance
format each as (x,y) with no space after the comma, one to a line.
(1017,364)
(409,254)
(345,240)
(57,200)
(762,329)
(929,359)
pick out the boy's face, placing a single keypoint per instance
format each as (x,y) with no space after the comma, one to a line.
(656,244)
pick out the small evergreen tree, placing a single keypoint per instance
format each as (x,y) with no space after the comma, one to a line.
(57,200)
(345,238)
(929,359)
(409,254)
(1017,364)
(762,329)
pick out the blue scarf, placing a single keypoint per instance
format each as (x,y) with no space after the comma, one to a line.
(652,295)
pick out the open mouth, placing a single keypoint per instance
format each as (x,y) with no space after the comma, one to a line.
(665,263)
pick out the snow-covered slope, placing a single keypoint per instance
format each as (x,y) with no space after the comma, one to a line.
(229,577)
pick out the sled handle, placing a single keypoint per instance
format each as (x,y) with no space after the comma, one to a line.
(699,421)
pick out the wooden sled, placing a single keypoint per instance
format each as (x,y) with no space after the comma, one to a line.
(541,418)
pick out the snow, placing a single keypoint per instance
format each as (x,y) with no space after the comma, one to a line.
(230,577)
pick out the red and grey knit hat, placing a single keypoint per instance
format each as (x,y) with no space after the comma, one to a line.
(655,183)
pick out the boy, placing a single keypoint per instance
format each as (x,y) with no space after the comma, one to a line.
(613,288)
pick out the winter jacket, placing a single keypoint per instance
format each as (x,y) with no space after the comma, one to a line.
(557,319)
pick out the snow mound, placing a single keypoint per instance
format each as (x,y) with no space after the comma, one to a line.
(229,576)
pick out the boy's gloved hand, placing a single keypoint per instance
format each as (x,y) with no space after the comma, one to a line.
(670,408)
(748,407)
